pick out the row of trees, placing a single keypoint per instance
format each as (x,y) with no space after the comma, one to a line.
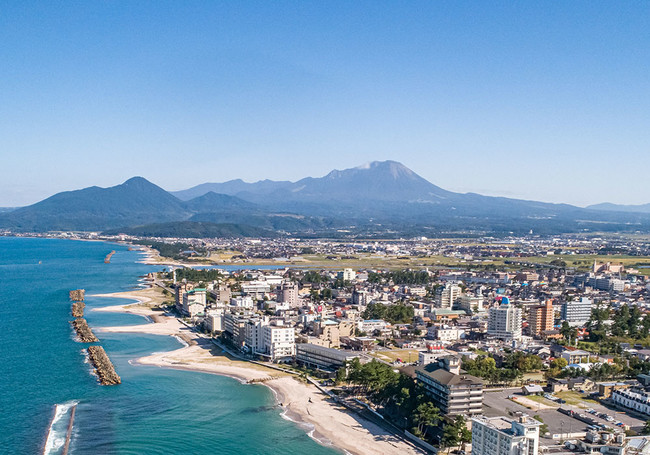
(418,277)
(628,322)
(513,368)
(395,314)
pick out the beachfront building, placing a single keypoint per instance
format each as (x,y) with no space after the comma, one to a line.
(194,302)
(504,436)
(214,322)
(451,390)
(279,342)
(322,358)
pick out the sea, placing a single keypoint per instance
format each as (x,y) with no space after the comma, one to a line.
(44,372)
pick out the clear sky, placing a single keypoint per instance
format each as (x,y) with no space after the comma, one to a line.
(537,100)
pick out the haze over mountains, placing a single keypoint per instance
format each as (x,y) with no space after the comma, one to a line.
(376,199)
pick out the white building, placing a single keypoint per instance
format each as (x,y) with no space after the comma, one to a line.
(214,322)
(504,321)
(279,342)
(347,275)
(194,302)
(577,312)
(636,399)
(444,333)
(447,296)
(242,302)
(504,436)
(253,335)
(370,325)
(470,303)
(255,289)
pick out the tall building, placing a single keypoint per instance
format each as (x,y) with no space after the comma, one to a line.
(288,293)
(279,342)
(504,436)
(347,275)
(540,318)
(447,296)
(452,391)
(504,321)
(577,311)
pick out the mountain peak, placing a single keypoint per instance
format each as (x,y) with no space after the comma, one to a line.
(137,180)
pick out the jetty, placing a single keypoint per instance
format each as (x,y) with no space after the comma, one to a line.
(83,331)
(77,295)
(103,366)
(108,257)
(68,434)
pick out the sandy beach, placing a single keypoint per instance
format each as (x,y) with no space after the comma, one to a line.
(326,421)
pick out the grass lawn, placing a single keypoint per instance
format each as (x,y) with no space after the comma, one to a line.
(575,399)
(407,355)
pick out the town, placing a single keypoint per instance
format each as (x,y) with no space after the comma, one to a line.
(483,346)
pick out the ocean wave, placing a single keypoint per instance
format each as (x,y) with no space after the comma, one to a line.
(309,428)
(58,428)
(181,341)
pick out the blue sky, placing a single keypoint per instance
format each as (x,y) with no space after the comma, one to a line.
(536,100)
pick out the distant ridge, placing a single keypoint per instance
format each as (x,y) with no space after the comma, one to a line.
(378,197)
(191,229)
(607,206)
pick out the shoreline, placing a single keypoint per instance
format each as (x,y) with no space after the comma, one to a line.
(325,421)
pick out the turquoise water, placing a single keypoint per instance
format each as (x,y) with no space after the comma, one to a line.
(153,411)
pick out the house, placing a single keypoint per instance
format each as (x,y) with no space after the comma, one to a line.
(576,356)
(532,389)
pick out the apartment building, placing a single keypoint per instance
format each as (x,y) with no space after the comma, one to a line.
(452,391)
(540,318)
(504,436)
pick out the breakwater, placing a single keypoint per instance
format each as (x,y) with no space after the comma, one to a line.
(83,331)
(77,294)
(108,257)
(78,309)
(103,366)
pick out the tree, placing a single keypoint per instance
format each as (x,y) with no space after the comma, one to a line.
(426,415)
(341,375)
(543,428)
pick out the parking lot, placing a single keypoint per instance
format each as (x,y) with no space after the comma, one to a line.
(498,403)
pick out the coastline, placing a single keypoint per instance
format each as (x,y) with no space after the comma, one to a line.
(325,421)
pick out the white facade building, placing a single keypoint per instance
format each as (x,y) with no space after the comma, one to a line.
(242,302)
(447,296)
(279,342)
(504,436)
(577,311)
(636,399)
(504,322)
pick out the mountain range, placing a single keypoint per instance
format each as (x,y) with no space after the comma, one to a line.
(380,198)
